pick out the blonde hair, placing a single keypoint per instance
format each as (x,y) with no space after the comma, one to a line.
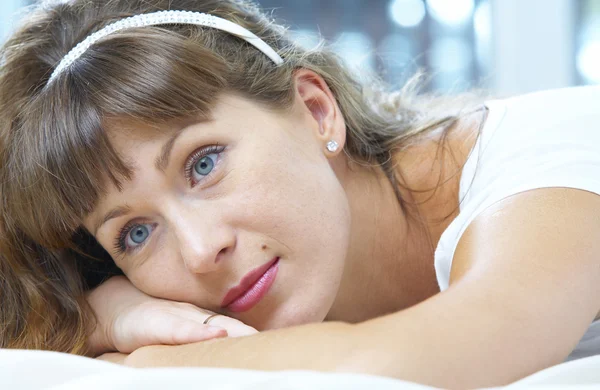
(52,135)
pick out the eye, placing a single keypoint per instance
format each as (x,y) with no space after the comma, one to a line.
(202,163)
(205,165)
(132,236)
(139,234)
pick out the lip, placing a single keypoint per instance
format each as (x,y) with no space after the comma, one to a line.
(252,288)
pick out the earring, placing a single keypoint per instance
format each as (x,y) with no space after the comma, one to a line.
(332,146)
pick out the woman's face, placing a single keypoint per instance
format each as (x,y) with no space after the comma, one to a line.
(249,190)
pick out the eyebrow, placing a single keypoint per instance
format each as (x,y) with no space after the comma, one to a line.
(162,161)
(114,213)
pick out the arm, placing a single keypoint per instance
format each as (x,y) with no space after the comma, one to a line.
(522,268)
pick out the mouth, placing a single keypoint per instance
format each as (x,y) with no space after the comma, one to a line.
(252,288)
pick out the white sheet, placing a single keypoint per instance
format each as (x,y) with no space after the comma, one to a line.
(27,370)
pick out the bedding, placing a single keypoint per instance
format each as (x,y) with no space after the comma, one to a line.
(26,369)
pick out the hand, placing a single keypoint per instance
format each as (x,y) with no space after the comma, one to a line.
(129,319)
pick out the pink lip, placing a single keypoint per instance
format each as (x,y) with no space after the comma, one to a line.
(252,288)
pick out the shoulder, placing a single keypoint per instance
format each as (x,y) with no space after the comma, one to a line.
(544,239)
(540,140)
(534,258)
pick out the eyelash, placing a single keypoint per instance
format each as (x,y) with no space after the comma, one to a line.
(196,156)
(119,242)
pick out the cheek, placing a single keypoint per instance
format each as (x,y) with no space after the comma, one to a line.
(298,200)
(165,277)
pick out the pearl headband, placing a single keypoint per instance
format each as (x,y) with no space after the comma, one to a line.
(166,17)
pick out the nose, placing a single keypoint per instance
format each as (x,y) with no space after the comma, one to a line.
(204,241)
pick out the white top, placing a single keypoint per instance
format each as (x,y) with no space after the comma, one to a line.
(542,139)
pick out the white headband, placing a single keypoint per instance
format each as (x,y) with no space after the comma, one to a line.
(167,17)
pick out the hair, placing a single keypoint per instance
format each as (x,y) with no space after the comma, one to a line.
(56,158)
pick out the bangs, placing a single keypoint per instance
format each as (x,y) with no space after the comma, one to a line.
(61,160)
(150,75)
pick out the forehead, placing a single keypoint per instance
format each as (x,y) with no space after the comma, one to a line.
(230,113)
(125,134)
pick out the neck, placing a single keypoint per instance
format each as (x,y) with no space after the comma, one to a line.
(389,265)
(390,261)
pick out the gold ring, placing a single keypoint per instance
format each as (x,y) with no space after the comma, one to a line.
(210,317)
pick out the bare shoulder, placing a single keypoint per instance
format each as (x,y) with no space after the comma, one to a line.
(538,248)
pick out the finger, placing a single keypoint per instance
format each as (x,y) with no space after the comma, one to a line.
(175,331)
(190,332)
(235,328)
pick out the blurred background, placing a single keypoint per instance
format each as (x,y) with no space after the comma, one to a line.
(507,46)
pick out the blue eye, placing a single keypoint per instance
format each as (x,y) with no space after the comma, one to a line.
(139,234)
(132,236)
(202,163)
(205,165)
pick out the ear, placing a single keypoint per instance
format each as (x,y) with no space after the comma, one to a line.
(316,100)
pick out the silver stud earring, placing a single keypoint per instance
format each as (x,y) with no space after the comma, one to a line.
(332,146)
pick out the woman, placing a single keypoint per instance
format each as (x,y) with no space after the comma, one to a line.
(438,240)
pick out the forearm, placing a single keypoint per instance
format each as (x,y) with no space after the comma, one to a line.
(323,347)
(386,346)
(397,345)
(438,343)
